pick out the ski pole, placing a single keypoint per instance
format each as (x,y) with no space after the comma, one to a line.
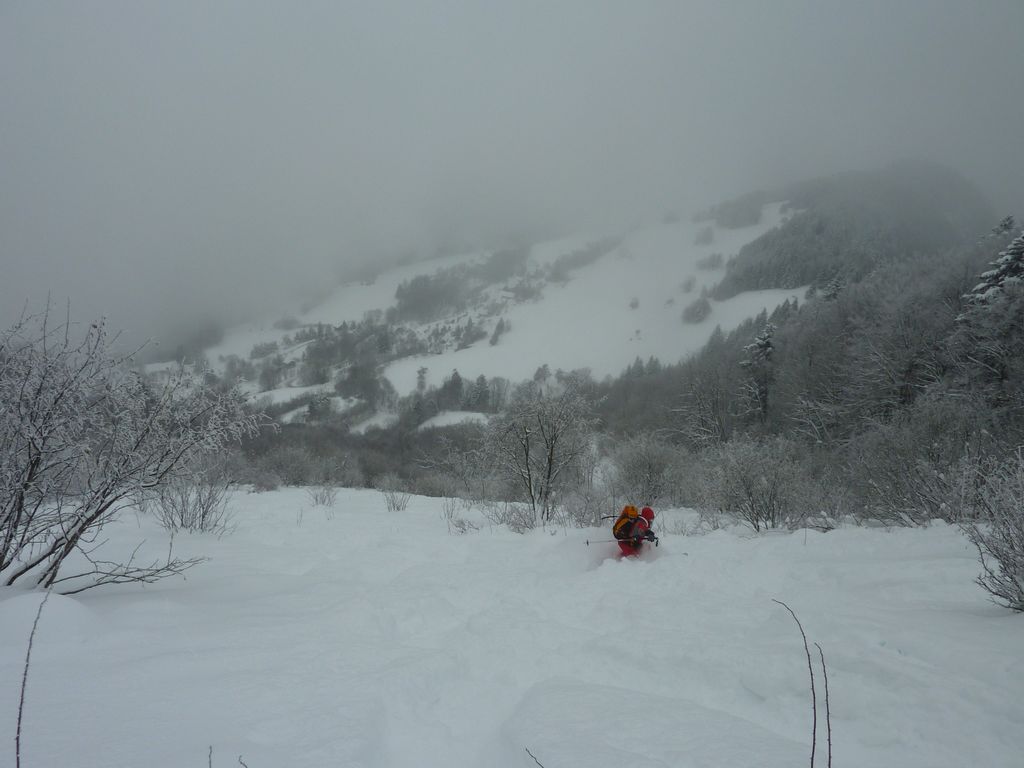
(615,541)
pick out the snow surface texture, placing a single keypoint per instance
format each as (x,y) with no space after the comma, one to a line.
(590,321)
(353,637)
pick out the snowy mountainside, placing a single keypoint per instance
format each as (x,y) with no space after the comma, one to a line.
(594,301)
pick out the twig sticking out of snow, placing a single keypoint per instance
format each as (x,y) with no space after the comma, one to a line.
(538,762)
(828,713)
(24,680)
(810,669)
(209,759)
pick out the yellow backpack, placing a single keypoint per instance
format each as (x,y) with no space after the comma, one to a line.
(623,527)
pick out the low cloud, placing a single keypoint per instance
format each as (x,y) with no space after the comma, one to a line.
(175,164)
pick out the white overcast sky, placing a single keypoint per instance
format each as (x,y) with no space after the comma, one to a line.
(166,162)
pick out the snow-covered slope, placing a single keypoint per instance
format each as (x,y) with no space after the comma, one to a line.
(449,418)
(626,304)
(589,322)
(299,645)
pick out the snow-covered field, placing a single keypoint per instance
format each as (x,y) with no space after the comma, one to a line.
(356,637)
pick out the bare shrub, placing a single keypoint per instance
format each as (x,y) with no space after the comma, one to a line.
(927,464)
(83,435)
(540,442)
(435,484)
(1000,537)
(708,520)
(461,525)
(517,516)
(322,495)
(906,485)
(396,498)
(585,506)
(263,480)
(456,523)
(448,509)
(196,505)
(294,465)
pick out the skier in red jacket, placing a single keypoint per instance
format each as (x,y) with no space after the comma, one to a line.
(632,529)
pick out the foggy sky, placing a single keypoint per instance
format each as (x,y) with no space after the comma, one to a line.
(161,163)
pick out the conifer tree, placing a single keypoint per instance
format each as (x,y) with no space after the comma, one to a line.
(759,364)
(1007,270)
(990,335)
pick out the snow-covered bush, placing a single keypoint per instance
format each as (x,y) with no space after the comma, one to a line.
(263,479)
(1000,536)
(292,465)
(584,507)
(83,436)
(433,484)
(761,481)
(926,464)
(457,524)
(643,469)
(518,517)
(196,505)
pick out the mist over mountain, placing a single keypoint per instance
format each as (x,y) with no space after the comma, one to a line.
(179,166)
(849,223)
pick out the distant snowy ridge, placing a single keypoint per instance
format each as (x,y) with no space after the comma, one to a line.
(595,302)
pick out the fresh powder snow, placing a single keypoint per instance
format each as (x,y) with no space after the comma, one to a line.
(350,636)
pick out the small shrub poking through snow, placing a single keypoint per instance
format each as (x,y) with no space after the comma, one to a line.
(518,517)
(396,498)
(196,506)
(322,495)
(1000,538)
(456,524)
